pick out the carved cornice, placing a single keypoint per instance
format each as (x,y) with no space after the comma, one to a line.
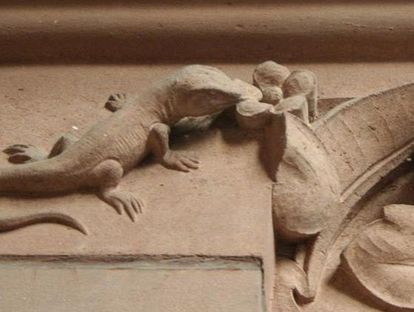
(233,31)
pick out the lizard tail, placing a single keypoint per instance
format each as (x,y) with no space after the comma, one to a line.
(46,176)
(11,224)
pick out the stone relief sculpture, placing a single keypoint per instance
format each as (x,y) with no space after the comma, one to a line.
(322,165)
(322,170)
(114,146)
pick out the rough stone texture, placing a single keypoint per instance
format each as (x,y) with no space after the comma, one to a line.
(138,286)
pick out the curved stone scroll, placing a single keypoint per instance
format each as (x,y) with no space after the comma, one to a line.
(381,259)
(291,280)
(365,140)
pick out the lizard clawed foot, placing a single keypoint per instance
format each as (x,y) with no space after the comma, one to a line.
(179,161)
(122,201)
(24,153)
(116,101)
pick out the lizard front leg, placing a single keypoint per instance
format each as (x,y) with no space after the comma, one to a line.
(158,141)
(116,101)
(25,153)
(106,176)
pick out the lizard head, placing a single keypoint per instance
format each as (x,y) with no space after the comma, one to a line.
(203,90)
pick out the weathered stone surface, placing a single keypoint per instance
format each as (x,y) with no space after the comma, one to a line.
(177,285)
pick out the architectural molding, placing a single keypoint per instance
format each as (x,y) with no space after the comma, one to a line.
(242,31)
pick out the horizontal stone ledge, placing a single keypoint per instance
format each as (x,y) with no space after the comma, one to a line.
(108,33)
(14,3)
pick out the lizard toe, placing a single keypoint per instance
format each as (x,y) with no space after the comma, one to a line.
(15,148)
(19,158)
(22,153)
(123,202)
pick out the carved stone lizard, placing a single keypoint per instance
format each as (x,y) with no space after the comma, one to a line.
(114,146)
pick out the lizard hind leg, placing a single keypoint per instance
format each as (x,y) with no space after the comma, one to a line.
(107,176)
(26,153)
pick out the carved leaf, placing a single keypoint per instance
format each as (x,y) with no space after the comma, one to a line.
(381,258)
(306,188)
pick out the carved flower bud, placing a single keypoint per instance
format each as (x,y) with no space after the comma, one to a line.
(269,74)
(299,82)
(272,95)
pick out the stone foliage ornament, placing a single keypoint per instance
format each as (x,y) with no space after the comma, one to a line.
(321,179)
(381,258)
(323,172)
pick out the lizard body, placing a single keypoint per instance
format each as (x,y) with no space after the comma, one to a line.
(117,144)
